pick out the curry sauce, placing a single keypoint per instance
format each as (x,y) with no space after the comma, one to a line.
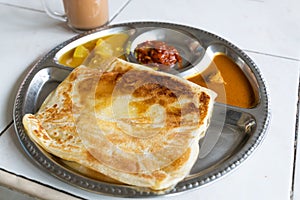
(226,78)
(111,44)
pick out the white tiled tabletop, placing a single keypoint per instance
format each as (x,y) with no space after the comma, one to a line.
(268,31)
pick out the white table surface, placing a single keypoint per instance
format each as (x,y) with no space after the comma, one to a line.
(268,31)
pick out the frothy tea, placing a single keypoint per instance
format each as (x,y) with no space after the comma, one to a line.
(86,14)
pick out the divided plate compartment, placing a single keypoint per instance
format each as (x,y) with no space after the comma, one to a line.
(238,130)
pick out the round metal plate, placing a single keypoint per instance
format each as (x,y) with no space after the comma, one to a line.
(242,129)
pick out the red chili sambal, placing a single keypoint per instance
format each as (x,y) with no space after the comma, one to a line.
(157,53)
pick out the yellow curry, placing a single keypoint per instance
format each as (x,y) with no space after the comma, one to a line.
(111,45)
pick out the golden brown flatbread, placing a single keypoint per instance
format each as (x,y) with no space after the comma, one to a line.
(129,122)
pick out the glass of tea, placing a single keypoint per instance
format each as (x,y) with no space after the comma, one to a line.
(80,15)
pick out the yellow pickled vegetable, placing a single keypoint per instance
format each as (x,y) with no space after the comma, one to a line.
(81,52)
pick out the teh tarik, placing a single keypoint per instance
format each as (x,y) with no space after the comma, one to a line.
(87,14)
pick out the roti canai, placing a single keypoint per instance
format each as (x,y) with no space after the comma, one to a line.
(126,121)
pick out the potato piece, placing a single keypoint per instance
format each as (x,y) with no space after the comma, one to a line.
(81,52)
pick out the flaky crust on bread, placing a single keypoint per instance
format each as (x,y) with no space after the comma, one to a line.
(126,121)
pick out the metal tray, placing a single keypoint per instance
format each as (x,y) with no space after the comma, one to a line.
(236,131)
